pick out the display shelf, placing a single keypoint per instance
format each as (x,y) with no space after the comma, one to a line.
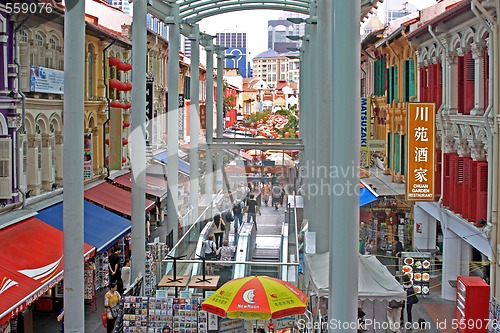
(149,276)
(472,304)
(101,271)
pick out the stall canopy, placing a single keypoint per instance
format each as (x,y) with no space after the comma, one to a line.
(114,198)
(184,166)
(366,194)
(375,282)
(31,262)
(102,228)
(155,186)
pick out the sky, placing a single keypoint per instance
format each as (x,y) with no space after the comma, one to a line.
(254,23)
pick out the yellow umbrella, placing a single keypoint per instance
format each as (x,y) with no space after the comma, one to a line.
(257,298)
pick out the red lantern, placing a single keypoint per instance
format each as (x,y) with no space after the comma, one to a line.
(128,67)
(297,133)
(126,86)
(124,142)
(252,131)
(107,142)
(127,105)
(115,84)
(126,124)
(115,104)
(124,160)
(252,125)
(243,129)
(113,61)
(107,160)
(122,66)
(287,134)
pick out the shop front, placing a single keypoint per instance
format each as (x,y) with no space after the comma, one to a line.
(31,264)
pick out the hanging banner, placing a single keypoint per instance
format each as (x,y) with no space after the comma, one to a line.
(365,132)
(87,156)
(421,133)
(46,80)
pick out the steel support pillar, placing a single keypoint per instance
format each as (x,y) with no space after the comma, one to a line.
(74,44)
(194,125)
(304,125)
(173,121)
(138,140)
(220,115)
(345,129)
(209,168)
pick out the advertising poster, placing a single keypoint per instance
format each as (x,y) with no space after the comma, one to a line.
(46,80)
(87,156)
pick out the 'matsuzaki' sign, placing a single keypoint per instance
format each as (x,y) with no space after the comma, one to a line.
(421,133)
(365,131)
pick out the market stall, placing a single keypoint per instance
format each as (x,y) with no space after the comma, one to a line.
(376,285)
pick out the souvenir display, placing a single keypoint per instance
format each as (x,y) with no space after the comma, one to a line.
(150,276)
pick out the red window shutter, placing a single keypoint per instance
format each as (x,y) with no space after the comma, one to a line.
(460,68)
(473,191)
(459,184)
(431,83)
(482,190)
(466,188)
(447,179)
(486,67)
(469,72)
(437,174)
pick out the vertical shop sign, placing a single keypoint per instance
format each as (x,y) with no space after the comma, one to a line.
(87,156)
(365,131)
(421,134)
(149,108)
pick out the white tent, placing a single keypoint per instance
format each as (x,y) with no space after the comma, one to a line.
(375,282)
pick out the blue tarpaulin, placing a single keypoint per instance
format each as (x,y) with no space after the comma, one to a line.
(102,228)
(184,166)
(366,195)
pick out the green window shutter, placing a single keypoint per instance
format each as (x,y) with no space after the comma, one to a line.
(397,160)
(389,86)
(389,151)
(411,75)
(384,77)
(395,83)
(403,154)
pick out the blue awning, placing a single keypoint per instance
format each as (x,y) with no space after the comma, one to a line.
(366,195)
(102,228)
(184,166)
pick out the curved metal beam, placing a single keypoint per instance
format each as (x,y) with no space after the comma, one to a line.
(188,4)
(199,14)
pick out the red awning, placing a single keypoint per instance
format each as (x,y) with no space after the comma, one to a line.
(114,198)
(154,186)
(31,261)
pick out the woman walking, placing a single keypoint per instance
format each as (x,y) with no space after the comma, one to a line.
(111,302)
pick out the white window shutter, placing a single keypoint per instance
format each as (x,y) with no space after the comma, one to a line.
(5,168)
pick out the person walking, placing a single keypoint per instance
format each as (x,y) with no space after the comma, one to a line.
(393,314)
(226,252)
(60,318)
(411,298)
(210,252)
(219,228)
(238,215)
(398,249)
(111,302)
(363,237)
(266,193)
(115,273)
(126,274)
(276,196)
(252,209)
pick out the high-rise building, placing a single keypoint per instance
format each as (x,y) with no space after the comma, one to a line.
(236,44)
(122,4)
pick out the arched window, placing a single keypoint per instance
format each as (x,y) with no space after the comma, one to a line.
(53,43)
(23,36)
(90,70)
(38,39)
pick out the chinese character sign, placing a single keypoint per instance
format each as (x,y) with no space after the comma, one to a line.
(420,151)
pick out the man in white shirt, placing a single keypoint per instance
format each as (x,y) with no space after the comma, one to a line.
(126,274)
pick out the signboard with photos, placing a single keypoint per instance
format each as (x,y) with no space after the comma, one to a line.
(421,140)
(418,266)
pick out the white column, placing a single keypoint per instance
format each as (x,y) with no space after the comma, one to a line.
(452,67)
(465,258)
(451,262)
(477,54)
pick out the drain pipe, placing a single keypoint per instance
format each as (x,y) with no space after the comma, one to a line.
(493,138)
(441,108)
(104,58)
(23,113)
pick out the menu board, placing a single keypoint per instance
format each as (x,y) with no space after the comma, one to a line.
(418,266)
